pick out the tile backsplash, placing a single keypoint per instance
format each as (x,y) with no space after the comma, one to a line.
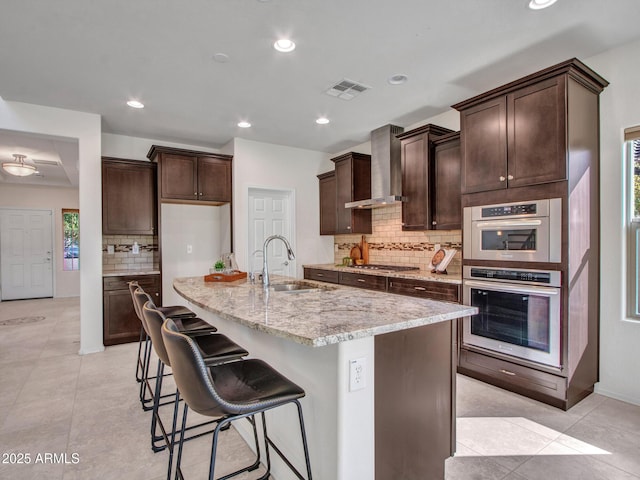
(123,257)
(389,245)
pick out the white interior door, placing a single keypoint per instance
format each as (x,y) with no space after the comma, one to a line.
(26,266)
(270,213)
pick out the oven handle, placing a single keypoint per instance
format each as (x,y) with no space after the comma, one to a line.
(508,223)
(513,288)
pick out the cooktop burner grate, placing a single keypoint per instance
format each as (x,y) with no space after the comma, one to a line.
(391,268)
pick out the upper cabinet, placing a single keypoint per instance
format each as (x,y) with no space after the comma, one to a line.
(187,176)
(327,184)
(353,182)
(515,135)
(128,197)
(417,154)
(446,195)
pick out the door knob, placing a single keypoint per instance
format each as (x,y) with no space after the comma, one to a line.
(286,263)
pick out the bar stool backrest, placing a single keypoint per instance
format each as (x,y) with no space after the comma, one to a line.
(133,286)
(191,375)
(153,320)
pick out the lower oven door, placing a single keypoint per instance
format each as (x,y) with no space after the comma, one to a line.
(518,320)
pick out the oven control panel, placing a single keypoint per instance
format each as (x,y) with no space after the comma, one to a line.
(510,210)
(514,275)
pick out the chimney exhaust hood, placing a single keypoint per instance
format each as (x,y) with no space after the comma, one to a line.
(386,169)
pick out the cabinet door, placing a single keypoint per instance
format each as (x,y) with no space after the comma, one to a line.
(484,146)
(447,203)
(214,179)
(415,183)
(120,322)
(536,133)
(327,187)
(128,198)
(344,194)
(178,177)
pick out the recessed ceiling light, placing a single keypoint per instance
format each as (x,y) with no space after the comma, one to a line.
(135,104)
(322,121)
(540,4)
(284,45)
(244,124)
(221,58)
(398,79)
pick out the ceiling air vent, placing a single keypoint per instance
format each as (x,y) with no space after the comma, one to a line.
(347,89)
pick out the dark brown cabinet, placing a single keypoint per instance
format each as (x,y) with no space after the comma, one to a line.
(353,182)
(516,135)
(370,282)
(327,187)
(128,197)
(417,153)
(120,322)
(446,198)
(187,176)
(448,292)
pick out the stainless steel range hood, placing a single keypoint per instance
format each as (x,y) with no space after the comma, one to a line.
(386,169)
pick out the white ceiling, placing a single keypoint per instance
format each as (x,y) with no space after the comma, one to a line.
(93,56)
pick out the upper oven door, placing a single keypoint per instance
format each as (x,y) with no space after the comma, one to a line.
(525,239)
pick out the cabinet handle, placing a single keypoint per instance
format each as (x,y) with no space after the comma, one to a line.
(502,179)
(319,274)
(422,289)
(195,193)
(348,228)
(157,294)
(200,193)
(507,372)
(434,223)
(361,280)
(509,177)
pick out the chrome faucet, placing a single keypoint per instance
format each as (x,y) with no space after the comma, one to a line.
(265,268)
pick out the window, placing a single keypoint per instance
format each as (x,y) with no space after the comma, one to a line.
(71,240)
(632,154)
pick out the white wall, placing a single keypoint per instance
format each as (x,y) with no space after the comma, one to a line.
(619,337)
(66,283)
(264,165)
(85,127)
(135,148)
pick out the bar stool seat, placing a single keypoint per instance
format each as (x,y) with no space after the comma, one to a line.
(228,392)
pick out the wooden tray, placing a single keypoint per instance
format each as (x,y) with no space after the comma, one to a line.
(225,277)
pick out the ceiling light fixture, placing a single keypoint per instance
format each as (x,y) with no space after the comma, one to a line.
(135,104)
(244,124)
(540,4)
(284,45)
(398,79)
(18,168)
(322,121)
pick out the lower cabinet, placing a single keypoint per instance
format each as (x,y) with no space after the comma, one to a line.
(120,324)
(448,292)
(542,386)
(445,291)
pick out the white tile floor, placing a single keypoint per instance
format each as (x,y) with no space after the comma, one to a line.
(57,402)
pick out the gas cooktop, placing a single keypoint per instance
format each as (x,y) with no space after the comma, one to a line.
(388,268)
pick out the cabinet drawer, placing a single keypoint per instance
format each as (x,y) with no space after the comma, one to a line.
(371,282)
(122,282)
(516,378)
(425,289)
(330,276)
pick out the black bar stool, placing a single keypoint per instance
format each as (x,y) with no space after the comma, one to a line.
(228,392)
(185,320)
(176,311)
(214,349)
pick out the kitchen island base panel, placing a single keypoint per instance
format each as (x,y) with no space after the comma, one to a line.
(339,425)
(414,402)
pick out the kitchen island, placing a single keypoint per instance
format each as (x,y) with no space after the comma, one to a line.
(393,416)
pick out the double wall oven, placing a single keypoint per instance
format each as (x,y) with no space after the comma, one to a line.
(519,307)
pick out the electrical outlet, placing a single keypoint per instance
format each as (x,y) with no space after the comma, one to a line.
(357,371)
(110,249)
(189,248)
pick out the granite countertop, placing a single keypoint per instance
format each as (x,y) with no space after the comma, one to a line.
(122,273)
(328,315)
(410,274)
